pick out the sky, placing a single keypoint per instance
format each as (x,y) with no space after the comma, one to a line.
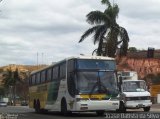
(49,30)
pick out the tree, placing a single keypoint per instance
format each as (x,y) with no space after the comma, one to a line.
(132,49)
(10,80)
(106,30)
(2,92)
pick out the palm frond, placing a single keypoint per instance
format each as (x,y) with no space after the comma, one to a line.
(97,17)
(101,39)
(125,39)
(88,32)
(124,35)
(106,2)
(99,33)
(115,11)
(112,13)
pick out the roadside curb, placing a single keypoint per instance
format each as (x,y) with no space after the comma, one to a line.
(155,106)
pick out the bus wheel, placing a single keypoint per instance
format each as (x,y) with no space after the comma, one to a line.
(34,104)
(64,107)
(146,109)
(100,113)
(38,107)
(122,107)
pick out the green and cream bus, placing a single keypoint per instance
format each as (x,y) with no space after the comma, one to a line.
(76,84)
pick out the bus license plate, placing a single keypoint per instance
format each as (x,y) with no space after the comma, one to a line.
(140,105)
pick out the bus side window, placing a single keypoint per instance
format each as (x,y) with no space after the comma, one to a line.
(30,80)
(55,73)
(33,79)
(38,77)
(63,70)
(43,76)
(49,74)
(71,78)
(70,67)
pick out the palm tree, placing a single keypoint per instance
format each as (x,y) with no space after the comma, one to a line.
(107,31)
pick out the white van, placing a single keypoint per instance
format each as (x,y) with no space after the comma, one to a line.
(134,93)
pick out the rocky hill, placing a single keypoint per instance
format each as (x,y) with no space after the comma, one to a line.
(143,66)
(21,68)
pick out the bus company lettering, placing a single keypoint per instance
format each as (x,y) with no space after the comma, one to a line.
(42,88)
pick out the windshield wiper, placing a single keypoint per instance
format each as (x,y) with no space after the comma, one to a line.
(99,85)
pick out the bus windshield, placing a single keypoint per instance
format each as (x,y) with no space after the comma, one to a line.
(96,64)
(96,76)
(134,86)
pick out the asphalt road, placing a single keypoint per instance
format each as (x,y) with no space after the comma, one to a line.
(24,112)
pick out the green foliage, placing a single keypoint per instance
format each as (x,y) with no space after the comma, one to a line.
(2,91)
(132,49)
(104,23)
(106,2)
(1,70)
(155,79)
(10,78)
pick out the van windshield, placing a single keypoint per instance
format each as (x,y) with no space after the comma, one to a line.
(134,86)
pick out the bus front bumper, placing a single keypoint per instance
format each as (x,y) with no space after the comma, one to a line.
(91,105)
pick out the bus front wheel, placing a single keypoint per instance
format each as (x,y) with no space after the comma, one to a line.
(122,107)
(64,107)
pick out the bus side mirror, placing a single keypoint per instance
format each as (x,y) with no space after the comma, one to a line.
(120,83)
(120,80)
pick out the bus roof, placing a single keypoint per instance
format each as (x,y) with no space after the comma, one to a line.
(74,57)
(133,80)
(91,57)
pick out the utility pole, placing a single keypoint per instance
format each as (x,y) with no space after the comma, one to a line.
(37,60)
(42,58)
(113,2)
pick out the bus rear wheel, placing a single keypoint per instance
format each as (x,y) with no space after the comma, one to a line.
(100,113)
(37,106)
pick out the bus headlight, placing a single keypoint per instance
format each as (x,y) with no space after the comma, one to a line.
(81,99)
(127,98)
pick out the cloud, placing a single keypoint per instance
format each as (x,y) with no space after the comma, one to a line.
(53,28)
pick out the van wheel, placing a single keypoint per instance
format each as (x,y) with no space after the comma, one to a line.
(146,109)
(122,107)
(100,113)
(64,107)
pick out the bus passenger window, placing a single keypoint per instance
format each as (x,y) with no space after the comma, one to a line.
(70,66)
(33,79)
(30,80)
(43,76)
(38,78)
(49,74)
(55,73)
(63,70)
